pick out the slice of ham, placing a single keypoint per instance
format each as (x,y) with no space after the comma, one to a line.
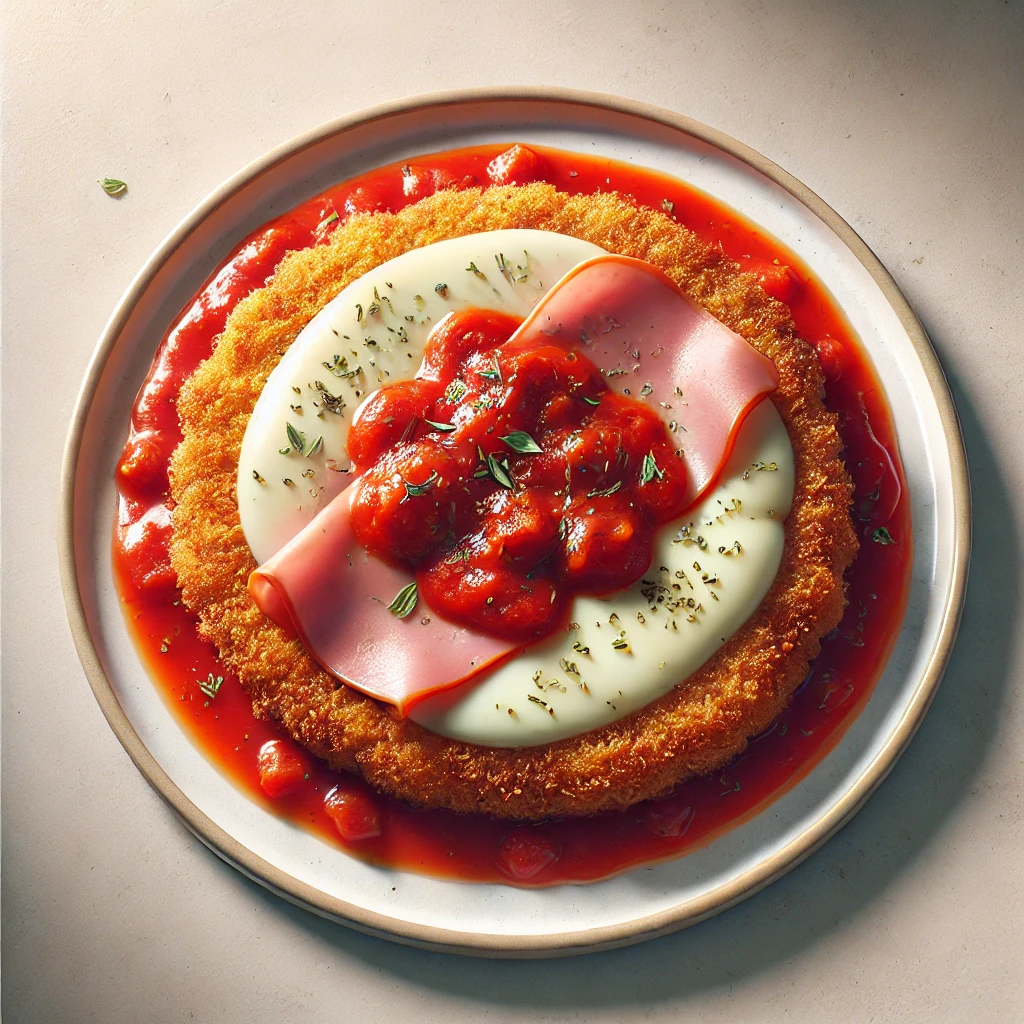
(323,587)
(650,341)
(653,344)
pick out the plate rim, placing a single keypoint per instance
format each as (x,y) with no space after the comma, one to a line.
(552,944)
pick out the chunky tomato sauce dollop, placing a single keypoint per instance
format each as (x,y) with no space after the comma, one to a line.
(216,714)
(511,478)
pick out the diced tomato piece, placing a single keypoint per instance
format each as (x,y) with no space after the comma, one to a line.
(384,518)
(832,357)
(776,279)
(518,165)
(667,817)
(144,461)
(445,179)
(281,767)
(524,853)
(522,525)
(418,182)
(388,416)
(604,551)
(161,579)
(458,337)
(146,545)
(365,199)
(353,814)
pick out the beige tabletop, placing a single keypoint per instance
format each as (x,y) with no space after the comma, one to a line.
(906,118)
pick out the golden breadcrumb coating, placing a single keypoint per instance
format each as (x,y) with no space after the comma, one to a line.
(694,729)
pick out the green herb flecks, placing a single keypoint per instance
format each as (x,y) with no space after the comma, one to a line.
(441,289)
(210,685)
(418,490)
(521,442)
(339,367)
(494,373)
(113,186)
(474,269)
(328,220)
(500,473)
(591,401)
(481,470)
(883,536)
(649,469)
(296,438)
(458,554)
(328,402)
(297,441)
(606,492)
(445,428)
(570,668)
(455,391)
(404,602)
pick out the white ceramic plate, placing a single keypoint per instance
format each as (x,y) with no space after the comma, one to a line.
(494,920)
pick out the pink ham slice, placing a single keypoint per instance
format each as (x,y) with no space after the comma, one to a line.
(649,341)
(653,344)
(325,588)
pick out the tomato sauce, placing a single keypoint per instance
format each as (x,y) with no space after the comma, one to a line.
(218,718)
(511,478)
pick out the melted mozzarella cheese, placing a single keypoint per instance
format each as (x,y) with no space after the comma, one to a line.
(709,573)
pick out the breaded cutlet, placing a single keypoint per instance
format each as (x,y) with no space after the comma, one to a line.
(695,728)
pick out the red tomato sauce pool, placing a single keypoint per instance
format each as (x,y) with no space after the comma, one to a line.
(217,716)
